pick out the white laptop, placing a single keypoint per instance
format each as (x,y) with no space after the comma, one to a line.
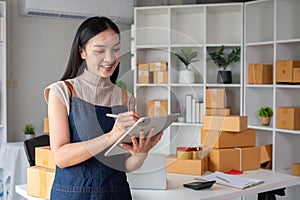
(152,175)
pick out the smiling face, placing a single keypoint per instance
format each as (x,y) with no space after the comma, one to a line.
(102,53)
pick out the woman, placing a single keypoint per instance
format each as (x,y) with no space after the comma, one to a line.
(80,132)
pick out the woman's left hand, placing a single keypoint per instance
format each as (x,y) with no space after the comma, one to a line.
(142,145)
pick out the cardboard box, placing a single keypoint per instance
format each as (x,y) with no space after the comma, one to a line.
(295,169)
(266,156)
(39,181)
(225,139)
(144,76)
(44,158)
(215,98)
(296,75)
(230,123)
(260,74)
(217,111)
(158,66)
(193,167)
(224,160)
(284,70)
(288,118)
(160,77)
(157,107)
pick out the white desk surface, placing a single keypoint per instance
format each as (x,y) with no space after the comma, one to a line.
(273,180)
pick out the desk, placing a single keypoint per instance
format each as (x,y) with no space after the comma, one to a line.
(273,180)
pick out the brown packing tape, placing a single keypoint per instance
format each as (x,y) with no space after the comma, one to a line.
(43,181)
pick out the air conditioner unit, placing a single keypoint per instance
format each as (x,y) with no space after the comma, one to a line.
(118,10)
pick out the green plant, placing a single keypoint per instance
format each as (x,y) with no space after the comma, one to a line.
(29,129)
(222,60)
(186,55)
(265,111)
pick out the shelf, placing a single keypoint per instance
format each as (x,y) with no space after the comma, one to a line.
(223,85)
(186,85)
(151,46)
(297,132)
(259,43)
(259,127)
(287,86)
(151,85)
(259,85)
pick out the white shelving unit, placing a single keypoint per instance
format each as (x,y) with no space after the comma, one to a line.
(3,112)
(160,31)
(272,33)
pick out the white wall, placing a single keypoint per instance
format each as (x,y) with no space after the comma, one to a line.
(38,50)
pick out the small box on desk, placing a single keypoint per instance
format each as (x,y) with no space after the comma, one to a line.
(39,181)
(288,118)
(157,107)
(231,123)
(284,70)
(44,158)
(215,98)
(260,74)
(224,160)
(226,139)
(193,167)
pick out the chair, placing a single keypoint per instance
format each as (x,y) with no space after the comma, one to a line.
(30,144)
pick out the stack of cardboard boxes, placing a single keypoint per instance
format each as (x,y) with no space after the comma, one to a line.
(40,177)
(153,72)
(195,165)
(234,145)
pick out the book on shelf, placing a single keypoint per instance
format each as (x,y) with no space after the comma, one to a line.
(237,181)
(188,108)
(1,29)
(193,109)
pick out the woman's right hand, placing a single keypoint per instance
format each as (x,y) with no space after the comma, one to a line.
(122,123)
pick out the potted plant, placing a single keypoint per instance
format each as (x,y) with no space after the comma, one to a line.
(187,56)
(29,131)
(223,60)
(265,113)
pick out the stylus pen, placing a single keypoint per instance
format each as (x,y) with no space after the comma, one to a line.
(111,115)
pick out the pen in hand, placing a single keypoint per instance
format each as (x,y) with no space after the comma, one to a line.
(111,115)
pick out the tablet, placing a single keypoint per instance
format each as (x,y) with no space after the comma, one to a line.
(159,123)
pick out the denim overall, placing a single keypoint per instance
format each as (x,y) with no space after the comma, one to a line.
(99,177)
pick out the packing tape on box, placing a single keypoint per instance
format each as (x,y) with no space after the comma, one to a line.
(160,77)
(241,158)
(43,179)
(143,73)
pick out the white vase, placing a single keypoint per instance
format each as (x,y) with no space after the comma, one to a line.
(28,136)
(186,76)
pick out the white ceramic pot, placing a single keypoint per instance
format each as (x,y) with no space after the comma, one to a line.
(186,76)
(28,136)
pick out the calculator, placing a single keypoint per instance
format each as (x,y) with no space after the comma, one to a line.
(198,185)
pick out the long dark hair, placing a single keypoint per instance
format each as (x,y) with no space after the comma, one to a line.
(88,29)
